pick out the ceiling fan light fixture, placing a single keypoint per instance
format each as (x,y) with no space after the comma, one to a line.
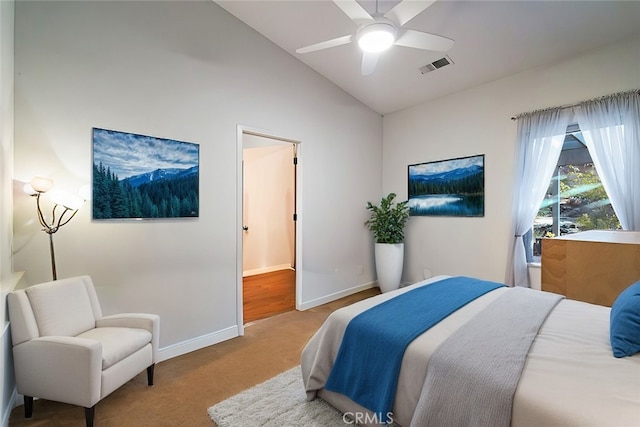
(376,37)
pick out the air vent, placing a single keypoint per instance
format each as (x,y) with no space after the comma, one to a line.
(435,65)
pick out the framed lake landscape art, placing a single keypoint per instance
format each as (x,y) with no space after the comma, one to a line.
(453,187)
(144,177)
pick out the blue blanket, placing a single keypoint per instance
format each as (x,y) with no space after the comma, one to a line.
(368,363)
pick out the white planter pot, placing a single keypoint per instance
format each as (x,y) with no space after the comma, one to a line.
(389,258)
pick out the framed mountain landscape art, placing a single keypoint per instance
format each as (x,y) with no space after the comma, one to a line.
(143,177)
(453,187)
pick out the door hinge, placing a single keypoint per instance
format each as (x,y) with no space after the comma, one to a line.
(295,217)
(295,160)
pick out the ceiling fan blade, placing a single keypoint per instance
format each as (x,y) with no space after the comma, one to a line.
(404,11)
(369,60)
(354,11)
(426,41)
(326,44)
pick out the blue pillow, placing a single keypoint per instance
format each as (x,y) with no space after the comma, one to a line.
(625,322)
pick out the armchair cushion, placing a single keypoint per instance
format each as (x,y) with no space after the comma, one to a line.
(65,350)
(117,343)
(62,309)
(146,321)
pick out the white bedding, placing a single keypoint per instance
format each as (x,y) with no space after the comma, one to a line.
(570,379)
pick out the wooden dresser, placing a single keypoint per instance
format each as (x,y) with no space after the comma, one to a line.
(592,266)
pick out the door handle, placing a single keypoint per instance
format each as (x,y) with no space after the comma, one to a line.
(245,228)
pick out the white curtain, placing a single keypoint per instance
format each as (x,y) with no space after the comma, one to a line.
(611,129)
(538,146)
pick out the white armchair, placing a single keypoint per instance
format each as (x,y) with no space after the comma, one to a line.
(65,350)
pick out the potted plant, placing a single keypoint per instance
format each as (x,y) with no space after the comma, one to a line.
(387,223)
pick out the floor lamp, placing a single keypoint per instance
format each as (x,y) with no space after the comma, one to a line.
(66,205)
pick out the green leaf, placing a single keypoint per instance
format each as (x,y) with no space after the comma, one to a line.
(388,220)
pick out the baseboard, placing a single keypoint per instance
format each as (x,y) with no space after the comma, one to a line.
(336,295)
(8,392)
(197,343)
(203,341)
(166,353)
(15,400)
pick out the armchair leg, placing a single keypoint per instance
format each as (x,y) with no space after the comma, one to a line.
(88,415)
(28,406)
(150,374)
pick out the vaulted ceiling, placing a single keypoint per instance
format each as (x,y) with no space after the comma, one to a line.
(493,39)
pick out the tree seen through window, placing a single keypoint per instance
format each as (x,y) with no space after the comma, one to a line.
(576,199)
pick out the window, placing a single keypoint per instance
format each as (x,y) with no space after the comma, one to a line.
(576,200)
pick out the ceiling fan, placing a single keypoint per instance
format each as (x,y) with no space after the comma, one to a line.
(378,32)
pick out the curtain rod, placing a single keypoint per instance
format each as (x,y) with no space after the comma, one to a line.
(563,107)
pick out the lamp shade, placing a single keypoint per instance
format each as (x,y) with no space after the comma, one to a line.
(27,188)
(67,200)
(377,37)
(41,185)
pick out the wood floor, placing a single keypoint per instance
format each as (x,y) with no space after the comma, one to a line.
(186,386)
(267,294)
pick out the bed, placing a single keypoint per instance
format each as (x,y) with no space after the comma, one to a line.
(569,376)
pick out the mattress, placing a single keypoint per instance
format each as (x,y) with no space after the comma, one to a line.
(570,377)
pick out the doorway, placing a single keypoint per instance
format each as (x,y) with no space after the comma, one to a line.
(268,255)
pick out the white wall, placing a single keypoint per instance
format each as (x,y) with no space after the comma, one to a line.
(192,72)
(477,121)
(7,279)
(6,138)
(268,207)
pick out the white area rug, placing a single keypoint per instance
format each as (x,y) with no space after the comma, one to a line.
(279,401)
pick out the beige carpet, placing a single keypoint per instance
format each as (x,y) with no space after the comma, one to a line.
(279,401)
(186,386)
